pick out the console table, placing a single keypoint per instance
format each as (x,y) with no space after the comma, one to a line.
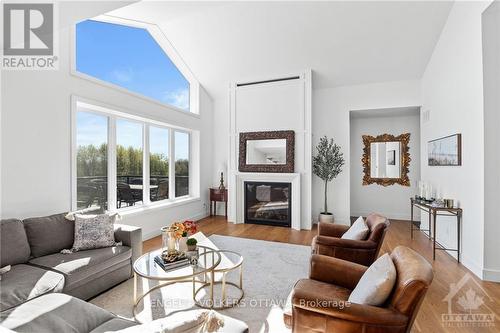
(217,194)
(433,212)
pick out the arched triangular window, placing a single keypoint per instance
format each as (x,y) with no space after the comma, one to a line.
(131,58)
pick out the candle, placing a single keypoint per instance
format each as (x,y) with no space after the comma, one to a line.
(171,244)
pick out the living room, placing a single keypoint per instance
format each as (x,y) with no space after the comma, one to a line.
(250,166)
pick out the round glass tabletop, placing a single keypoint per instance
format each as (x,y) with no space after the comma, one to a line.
(146,267)
(229,260)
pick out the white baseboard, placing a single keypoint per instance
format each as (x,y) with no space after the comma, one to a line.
(472,266)
(151,234)
(155,233)
(491,275)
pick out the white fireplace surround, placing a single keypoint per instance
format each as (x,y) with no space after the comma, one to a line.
(292,178)
(271,104)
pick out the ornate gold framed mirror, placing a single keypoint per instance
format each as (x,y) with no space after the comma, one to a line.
(271,151)
(386,159)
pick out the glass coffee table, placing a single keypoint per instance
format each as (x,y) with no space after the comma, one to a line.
(202,272)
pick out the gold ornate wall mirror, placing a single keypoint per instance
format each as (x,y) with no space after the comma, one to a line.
(386,159)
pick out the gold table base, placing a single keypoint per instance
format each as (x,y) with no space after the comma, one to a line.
(224,304)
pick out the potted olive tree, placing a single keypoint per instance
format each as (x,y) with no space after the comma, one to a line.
(327,164)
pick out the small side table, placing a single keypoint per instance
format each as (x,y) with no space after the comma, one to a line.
(217,194)
(433,212)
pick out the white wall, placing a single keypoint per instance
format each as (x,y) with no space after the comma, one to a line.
(35,135)
(330,116)
(283,105)
(331,109)
(391,201)
(491,66)
(452,90)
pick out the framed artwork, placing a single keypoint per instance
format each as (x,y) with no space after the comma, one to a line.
(445,151)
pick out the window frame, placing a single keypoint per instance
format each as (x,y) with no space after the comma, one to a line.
(161,39)
(189,160)
(113,114)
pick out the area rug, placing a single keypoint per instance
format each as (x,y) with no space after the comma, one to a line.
(270,270)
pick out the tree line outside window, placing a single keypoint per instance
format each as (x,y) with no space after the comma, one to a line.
(92,162)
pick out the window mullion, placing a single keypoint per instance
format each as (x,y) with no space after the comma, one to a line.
(171,163)
(145,166)
(112,193)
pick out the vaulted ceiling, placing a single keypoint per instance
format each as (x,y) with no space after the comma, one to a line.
(344,43)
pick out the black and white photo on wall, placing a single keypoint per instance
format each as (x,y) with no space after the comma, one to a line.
(446,151)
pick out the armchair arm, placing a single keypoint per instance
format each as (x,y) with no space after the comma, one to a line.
(363,314)
(331,229)
(345,243)
(336,271)
(130,236)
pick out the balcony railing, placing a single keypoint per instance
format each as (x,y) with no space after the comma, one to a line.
(92,190)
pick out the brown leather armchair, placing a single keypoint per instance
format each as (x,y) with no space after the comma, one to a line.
(320,302)
(364,252)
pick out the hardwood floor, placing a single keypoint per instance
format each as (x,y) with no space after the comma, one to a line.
(446,270)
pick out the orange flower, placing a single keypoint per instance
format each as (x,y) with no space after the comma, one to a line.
(184,229)
(179,229)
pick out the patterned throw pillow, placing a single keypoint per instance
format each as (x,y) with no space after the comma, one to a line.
(94,231)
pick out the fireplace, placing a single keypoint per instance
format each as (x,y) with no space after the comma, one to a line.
(268,203)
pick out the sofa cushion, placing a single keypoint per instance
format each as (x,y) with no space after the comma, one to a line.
(25,282)
(81,266)
(14,247)
(49,234)
(190,321)
(55,313)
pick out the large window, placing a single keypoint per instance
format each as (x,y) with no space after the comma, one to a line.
(91,161)
(131,58)
(122,161)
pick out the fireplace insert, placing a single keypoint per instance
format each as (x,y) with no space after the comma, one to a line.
(268,203)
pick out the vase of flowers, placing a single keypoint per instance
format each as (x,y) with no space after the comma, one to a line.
(182,231)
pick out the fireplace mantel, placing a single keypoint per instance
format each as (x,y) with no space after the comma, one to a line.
(293,178)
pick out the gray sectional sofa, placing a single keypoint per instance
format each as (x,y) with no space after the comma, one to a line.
(32,248)
(44,291)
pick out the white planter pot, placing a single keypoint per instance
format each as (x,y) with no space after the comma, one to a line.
(183,244)
(325,218)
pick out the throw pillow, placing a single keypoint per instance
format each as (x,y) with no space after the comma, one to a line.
(358,231)
(4,270)
(94,231)
(376,284)
(193,321)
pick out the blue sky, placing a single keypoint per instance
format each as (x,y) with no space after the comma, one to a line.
(92,129)
(129,57)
